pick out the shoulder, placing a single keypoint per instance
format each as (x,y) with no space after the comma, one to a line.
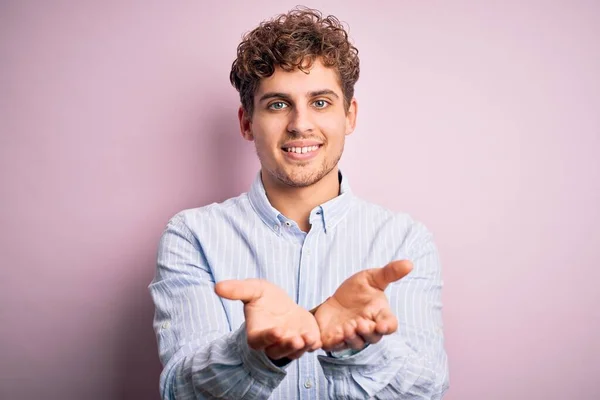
(400,225)
(198,218)
(378,213)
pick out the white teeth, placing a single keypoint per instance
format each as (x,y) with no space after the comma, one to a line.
(302,150)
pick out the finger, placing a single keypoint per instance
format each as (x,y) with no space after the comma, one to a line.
(312,341)
(386,322)
(396,270)
(297,355)
(335,345)
(351,338)
(332,338)
(372,338)
(366,330)
(285,347)
(365,326)
(245,290)
(356,342)
(259,340)
(338,347)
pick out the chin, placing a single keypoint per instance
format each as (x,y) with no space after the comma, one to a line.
(302,178)
(300,183)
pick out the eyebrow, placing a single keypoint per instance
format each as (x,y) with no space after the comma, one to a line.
(280,95)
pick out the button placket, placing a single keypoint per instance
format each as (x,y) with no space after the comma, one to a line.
(306,294)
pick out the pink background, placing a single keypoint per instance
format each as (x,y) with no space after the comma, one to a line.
(483,121)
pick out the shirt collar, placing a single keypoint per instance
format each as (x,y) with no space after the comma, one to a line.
(328,214)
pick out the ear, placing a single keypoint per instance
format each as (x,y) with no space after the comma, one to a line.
(245,124)
(351,116)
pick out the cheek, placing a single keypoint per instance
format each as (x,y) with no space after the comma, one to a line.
(266,137)
(335,129)
(270,129)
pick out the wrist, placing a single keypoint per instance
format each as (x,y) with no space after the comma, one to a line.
(314,310)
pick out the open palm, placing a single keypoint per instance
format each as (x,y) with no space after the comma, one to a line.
(359,312)
(274,323)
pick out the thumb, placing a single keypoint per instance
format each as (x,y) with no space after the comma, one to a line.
(394,271)
(245,290)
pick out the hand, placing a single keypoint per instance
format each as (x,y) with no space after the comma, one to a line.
(359,312)
(274,323)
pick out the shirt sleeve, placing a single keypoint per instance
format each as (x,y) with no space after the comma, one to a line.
(412,362)
(202,357)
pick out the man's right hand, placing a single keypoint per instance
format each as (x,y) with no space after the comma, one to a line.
(274,323)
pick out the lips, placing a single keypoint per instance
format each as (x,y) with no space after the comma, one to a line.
(301,152)
(301,149)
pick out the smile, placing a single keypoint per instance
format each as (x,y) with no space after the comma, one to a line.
(302,150)
(304,153)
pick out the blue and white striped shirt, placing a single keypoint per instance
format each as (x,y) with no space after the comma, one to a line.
(202,339)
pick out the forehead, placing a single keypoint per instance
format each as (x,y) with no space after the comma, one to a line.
(299,83)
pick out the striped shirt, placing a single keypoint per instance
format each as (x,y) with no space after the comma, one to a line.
(202,339)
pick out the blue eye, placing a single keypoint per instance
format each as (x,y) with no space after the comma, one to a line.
(321,104)
(278,105)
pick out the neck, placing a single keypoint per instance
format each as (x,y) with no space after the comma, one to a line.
(296,203)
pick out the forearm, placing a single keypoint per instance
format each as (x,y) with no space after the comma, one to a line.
(202,358)
(389,369)
(224,368)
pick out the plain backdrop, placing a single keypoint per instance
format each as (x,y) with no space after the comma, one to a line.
(481,119)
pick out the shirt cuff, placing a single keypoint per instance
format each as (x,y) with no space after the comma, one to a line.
(256,362)
(345,353)
(373,356)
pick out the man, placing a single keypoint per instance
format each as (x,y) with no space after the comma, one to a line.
(237,283)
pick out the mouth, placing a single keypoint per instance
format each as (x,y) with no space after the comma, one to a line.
(301,150)
(301,153)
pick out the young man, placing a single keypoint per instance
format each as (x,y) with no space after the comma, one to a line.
(235,281)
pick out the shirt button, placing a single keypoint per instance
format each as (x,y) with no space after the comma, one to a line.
(307,252)
(308,384)
(276,227)
(166,325)
(288,223)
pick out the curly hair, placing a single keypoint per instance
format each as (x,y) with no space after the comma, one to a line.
(290,41)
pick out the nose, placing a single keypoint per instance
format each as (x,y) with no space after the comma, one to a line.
(300,121)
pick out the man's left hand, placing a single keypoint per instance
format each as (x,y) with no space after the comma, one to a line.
(358,312)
